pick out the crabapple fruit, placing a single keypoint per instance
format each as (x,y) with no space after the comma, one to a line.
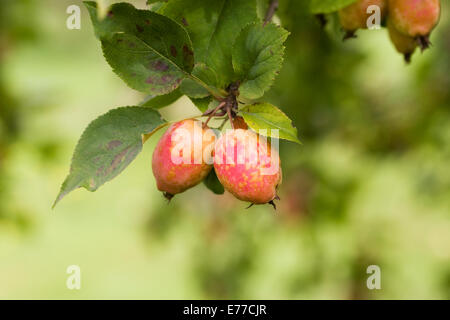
(247,166)
(183,157)
(355,16)
(404,44)
(415,18)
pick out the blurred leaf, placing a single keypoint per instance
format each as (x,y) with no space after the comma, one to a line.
(108,146)
(257,58)
(213,26)
(150,52)
(266,116)
(202,103)
(328,6)
(156,6)
(157,102)
(212,183)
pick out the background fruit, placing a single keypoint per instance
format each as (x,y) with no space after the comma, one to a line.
(354,16)
(239,157)
(172,178)
(415,18)
(404,44)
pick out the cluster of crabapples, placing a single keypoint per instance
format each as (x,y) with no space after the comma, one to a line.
(239,158)
(409,22)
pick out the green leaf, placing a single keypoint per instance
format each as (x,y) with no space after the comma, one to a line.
(156,6)
(328,6)
(203,73)
(149,51)
(213,26)
(108,146)
(257,58)
(202,104)
(157,102)
(212,183)
(266,116)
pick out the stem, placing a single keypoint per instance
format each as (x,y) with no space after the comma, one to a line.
(223,123)
(273,6)
(227,106)
(213,113)
(230,117)
(215,93)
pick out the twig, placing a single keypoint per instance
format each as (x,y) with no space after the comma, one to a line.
(230,117)
(212,114)
(273,6)
(223,123)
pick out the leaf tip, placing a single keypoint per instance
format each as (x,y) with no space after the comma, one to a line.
(58,199)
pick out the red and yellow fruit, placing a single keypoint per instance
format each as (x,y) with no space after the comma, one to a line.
(247,167)
(183,157)
(404,44)
(354,16)
(415,18)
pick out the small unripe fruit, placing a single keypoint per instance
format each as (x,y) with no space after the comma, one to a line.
(183,157)
(239,123)
(415,18)
(354,16)
(404,44)
(247,166)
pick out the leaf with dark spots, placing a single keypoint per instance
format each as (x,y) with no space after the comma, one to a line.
(213,26)
(159,66)
(141,60)
(173,51)
(99,171)
(187,52)
(139,28)
(108,145)
(136,39)
(118,159)
(113,144)
(166,79)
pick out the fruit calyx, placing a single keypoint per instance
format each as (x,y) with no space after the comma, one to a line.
(271,202)
(423,42)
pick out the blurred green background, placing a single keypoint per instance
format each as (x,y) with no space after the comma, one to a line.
(369,185)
